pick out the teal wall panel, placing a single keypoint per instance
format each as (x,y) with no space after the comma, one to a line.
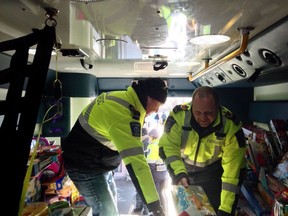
(73,84)
(264,111)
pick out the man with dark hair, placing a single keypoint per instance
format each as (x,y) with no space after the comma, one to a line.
(108,130)
(203,144)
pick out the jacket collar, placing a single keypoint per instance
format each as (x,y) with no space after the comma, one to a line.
(135,101)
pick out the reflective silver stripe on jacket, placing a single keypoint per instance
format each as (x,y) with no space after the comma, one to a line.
(230,187)
(131,152)
(171,159)
(118,100)
(201,164)
(159,161)
(83,119)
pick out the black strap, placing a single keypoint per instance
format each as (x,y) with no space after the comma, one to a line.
(135,113)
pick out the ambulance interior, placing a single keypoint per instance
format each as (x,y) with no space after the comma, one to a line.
(76,49)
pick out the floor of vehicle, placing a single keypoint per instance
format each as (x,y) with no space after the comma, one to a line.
(126,198)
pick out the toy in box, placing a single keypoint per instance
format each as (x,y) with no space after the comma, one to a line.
(191,201)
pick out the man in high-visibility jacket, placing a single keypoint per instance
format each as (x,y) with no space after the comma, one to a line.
(108,130)
(203,144)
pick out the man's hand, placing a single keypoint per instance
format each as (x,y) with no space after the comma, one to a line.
(184,182)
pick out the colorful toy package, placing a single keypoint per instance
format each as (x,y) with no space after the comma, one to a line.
(191,201)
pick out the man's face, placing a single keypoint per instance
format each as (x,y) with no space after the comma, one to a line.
(204,110)
(152,106)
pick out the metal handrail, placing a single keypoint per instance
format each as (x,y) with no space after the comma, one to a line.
(245,31)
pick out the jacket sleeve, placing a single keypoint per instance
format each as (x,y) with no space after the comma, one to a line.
(233,163)
(126,135)
(170,148)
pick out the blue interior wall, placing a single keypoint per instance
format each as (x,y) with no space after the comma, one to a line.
(264,111)
(237,100)
(86,85)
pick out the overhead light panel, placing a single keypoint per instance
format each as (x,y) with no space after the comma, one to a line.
(209,39)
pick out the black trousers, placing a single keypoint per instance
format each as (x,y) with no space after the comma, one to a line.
(210,179)
(212,189)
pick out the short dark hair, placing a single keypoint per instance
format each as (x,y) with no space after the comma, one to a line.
(204,91)
(157,89)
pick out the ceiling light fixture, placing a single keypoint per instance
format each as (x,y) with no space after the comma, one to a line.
(245,31)
(111,42)
(209,39)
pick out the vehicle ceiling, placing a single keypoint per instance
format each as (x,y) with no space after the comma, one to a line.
(125,38)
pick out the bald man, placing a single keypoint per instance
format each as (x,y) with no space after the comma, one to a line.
(203,144)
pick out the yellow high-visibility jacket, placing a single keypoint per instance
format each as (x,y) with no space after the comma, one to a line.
(153,152)
(114,120)
(180,144)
